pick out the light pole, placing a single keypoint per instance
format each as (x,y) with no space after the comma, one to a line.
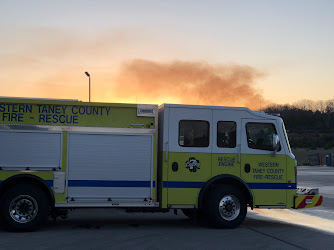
(87,74)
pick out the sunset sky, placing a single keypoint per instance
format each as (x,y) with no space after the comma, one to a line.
(240,53)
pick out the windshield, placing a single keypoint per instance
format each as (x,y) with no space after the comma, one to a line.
(286,138)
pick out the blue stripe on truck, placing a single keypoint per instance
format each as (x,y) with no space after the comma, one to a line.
(182,184)
(272,185)
(104,183)
(49,182)
(188,184)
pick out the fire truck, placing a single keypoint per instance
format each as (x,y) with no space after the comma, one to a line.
(211,162)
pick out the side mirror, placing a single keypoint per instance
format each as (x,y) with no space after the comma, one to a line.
(276,143)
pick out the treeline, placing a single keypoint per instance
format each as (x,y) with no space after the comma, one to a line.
(306,115)
(310,124)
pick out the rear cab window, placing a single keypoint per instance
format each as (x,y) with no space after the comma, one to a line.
(194,133)
(226,134)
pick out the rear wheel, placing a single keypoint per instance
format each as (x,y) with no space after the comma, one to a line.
(24,207)
(226,207)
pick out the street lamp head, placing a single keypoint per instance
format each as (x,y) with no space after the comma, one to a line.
(87,74)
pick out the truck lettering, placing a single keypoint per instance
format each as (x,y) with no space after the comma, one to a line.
(226,161)
(68,119)
(274,177)
(258,177)
(83,110)
(49,113)
(12,117)
(260,171)
(269,164)
(64,109)
(275,171)
(15,108)
(107,109)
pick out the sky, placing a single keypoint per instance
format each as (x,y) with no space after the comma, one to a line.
(228,53)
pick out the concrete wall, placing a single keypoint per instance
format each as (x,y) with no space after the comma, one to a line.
(302,154)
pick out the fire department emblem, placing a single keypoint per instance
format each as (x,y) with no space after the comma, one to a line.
(192,164)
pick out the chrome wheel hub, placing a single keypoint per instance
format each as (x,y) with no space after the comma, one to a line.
(229,207)
(23,209)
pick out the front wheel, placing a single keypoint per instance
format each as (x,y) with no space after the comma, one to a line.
(188,212)
(24,207)
(226,207)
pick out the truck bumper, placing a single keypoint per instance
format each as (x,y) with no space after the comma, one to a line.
(307,198)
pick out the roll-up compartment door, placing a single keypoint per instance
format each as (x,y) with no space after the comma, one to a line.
(30,149)
(110,165)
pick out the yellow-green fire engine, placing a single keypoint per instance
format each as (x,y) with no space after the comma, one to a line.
(209,161)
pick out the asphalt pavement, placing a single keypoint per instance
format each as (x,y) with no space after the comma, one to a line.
(262,229)
(323,178)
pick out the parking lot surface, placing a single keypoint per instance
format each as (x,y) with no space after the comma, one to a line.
(115,229)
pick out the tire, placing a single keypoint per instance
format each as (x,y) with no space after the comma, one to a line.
(226,207)
(200,216)
(24,207)
(188,212)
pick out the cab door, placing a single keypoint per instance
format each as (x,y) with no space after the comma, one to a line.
(189,154)
(225,147)
(263,169)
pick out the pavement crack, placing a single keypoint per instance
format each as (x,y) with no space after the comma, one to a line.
(287,242)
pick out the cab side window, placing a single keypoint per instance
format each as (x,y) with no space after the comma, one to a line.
(260,135)
(194,133)
(226,134)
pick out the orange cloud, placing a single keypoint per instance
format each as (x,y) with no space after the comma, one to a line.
(188,83)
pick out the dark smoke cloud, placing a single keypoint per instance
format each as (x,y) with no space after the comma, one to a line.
(189,83)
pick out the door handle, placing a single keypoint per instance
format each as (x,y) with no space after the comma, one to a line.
(247,168)
(175,166)
(239,152)
(166,150)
